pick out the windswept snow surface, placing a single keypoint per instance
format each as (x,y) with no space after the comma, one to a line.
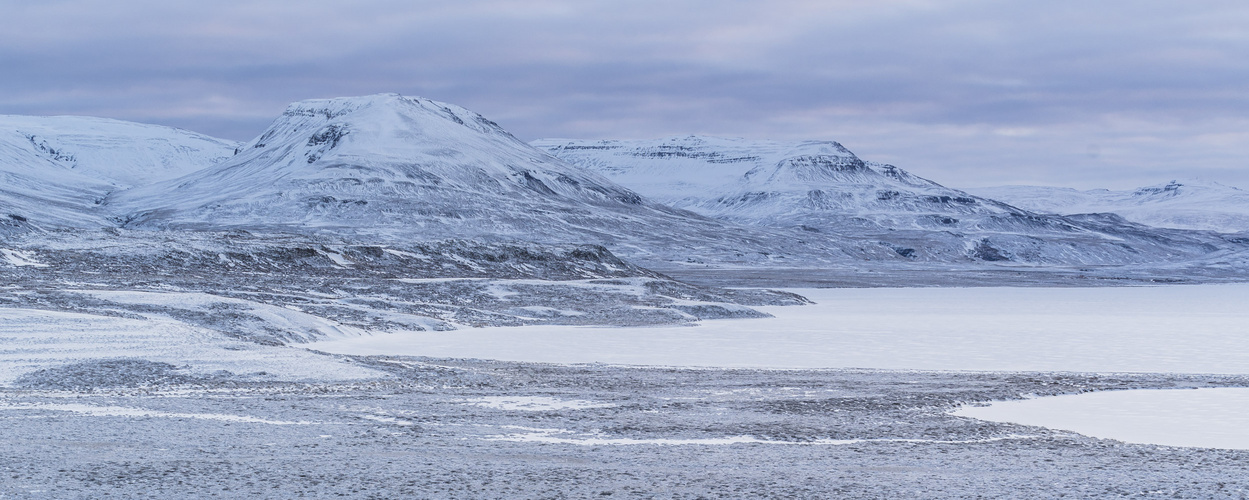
(1177,204)
(1179,329)
(1206,418)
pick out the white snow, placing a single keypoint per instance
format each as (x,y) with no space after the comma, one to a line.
(1183,329)
(33,339)
(500,292)
(117,152)
(436,280)
(401,253)
(758,181)
(124,411)
(822,194)
(284,318)
(551,311)
(337,258)
(534,403)
(19,258)
(1206,418)
(677,168)
(58,168)
(563,436)
(1178,204)
(386,164)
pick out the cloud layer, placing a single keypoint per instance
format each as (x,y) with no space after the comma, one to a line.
(966,92)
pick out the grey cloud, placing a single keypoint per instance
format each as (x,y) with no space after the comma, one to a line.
(960,90)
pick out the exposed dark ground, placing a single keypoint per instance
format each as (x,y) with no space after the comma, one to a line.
(422,434)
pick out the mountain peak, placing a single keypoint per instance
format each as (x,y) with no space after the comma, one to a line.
(369,107)
(1169,189)
(337,106)
(324,129)
(384,163)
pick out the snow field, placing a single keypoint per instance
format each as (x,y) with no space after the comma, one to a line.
(1165,329)
(32,339)
(1183,329)
(1205,418)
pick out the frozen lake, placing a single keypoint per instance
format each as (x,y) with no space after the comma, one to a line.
(1179,329)
(1206,418)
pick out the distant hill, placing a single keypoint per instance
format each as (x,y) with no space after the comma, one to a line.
(1177,204)
(820,187)
(57,169)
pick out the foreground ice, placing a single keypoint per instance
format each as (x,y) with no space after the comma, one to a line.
(1206,418)
(1178,329)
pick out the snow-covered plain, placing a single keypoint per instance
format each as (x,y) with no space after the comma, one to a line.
(1177,329)
(1206,418)
(32,339)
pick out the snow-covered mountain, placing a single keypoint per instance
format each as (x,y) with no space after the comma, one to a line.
(393,168)
(821,187)
(817,183)
(56,169)
(1177,204)
(385,168)
(390,213)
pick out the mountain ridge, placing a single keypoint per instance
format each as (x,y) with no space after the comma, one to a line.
(387,168)
(822,187)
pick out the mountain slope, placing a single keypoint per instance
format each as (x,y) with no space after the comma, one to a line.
(821,187)
(773,183)
(1182,205)
(56,169)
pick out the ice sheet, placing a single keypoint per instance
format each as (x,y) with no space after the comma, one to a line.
(1176,328)
(1207,418)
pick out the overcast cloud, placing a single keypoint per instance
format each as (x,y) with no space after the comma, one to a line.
(968,93)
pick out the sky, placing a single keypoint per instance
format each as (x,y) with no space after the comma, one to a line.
(1109,94)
